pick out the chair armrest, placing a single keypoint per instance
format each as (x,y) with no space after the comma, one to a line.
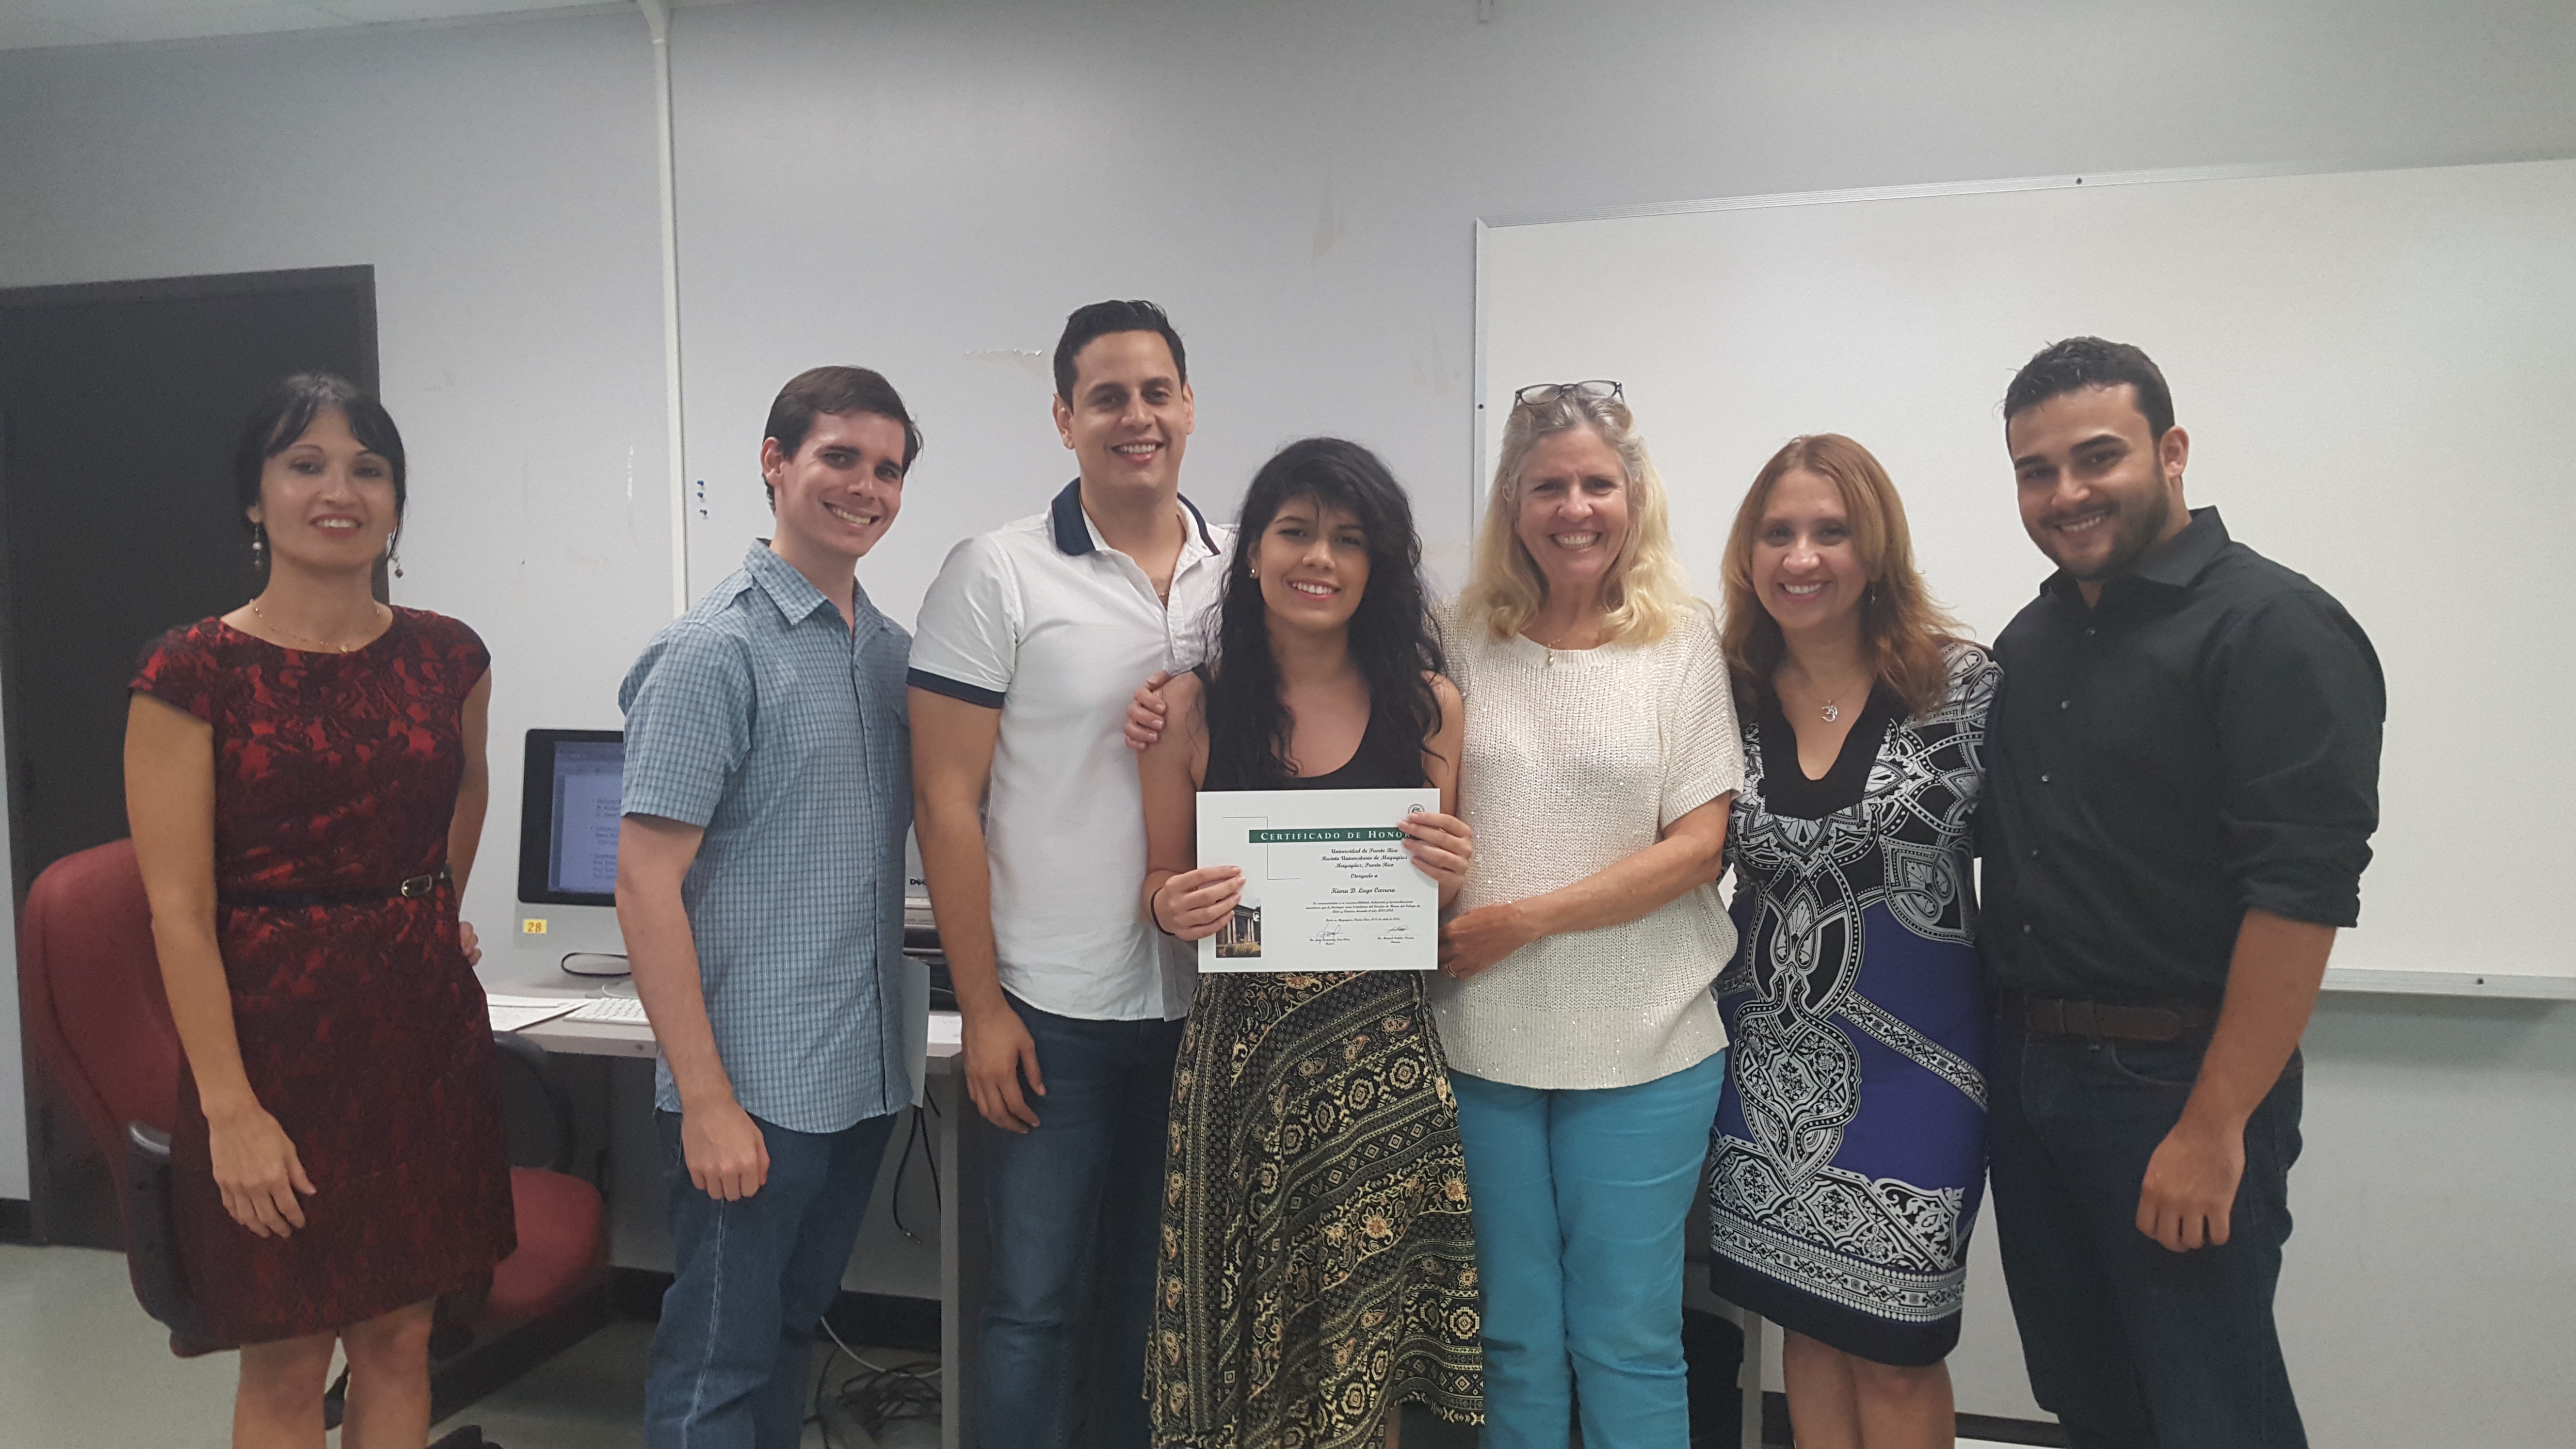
(531,1058)
(151,1248)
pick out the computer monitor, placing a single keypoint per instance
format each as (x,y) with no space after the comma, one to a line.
(568,820)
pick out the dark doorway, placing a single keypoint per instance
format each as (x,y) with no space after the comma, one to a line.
(119,404)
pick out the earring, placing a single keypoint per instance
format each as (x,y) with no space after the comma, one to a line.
(392,542)
(258,546)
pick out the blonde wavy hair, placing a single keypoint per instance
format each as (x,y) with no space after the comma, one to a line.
(1645,590)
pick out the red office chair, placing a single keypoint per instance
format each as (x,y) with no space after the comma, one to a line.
(91,999)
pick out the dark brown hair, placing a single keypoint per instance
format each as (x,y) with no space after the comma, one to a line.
(840,392)
(1099,319)
(1902,628)
(290,408)
(2079,364)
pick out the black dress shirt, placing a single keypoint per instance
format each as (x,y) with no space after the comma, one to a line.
(2203,741)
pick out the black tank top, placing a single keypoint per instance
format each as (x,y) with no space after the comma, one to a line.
(1384,761)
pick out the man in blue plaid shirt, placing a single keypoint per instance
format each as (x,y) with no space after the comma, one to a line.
(760,888)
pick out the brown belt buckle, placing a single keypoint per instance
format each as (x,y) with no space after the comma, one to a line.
(418,886)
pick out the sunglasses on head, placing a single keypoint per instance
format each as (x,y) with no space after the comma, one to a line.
(1540,394)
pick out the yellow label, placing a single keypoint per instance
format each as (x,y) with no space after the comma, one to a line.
(532,926)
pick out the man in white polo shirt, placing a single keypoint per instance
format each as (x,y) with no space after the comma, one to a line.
(1024,656)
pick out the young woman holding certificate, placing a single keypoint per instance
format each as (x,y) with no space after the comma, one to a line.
(1318,1268)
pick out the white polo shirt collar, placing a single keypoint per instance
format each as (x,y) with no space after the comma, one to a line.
(1044,621)
(1076,535)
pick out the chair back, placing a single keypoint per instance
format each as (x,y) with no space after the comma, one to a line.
(89,983)
(89,987)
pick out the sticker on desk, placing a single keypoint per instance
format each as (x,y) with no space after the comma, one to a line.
(532,926)
(947,1028)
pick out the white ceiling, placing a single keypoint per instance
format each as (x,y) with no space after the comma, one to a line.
(33,24)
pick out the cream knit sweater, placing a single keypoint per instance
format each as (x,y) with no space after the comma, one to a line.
(1575,759)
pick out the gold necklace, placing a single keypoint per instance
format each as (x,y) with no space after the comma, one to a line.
(262,615)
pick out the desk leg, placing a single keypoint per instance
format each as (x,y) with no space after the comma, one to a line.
(1749,1378)
(961,1260)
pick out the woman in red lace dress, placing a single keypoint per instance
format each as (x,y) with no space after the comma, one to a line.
(306,782)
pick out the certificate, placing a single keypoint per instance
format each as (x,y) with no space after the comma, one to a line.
(1327,882)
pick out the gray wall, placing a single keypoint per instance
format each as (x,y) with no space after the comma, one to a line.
(499,178)
(928,188)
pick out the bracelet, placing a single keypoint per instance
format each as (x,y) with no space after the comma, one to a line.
(1154,912)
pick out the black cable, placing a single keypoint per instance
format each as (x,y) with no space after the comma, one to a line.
(880,1396)
(931,1159)
(919,1131)
(903,1165)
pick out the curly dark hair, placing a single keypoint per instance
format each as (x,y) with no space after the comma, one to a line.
(1393,638)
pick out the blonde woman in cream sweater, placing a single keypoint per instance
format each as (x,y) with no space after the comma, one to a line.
(1600,759)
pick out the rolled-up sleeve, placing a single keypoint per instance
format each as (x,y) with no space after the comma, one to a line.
(2301,709)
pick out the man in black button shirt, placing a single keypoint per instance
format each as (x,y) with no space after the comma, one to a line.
(2183,768)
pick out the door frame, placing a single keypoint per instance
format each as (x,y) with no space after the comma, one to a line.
(360,283)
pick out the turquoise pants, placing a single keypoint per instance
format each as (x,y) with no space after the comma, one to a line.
(1580,1198)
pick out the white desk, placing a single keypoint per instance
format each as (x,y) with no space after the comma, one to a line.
(961,1205)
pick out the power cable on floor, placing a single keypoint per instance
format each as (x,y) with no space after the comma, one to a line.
(877,1394)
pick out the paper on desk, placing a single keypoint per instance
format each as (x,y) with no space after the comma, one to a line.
(518,1013)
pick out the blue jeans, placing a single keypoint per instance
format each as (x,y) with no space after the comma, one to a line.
(732,1363)
(1074,1211)
(2132,1346)
(1580,1201)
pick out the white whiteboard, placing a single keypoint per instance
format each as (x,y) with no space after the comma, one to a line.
(2378,372)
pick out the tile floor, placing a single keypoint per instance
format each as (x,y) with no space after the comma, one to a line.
(82,1368)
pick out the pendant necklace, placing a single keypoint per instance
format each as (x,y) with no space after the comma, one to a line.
(1833,711)
(1568,632)
(262,615)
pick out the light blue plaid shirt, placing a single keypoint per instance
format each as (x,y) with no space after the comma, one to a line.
(759,717)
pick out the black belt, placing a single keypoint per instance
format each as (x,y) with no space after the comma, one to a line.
(410,890)
(2056,1016)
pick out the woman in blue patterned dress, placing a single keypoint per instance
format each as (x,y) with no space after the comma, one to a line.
(1851,1144)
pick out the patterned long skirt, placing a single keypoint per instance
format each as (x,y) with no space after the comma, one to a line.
(1318,1267)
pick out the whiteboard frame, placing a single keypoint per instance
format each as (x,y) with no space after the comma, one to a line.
(2357,980)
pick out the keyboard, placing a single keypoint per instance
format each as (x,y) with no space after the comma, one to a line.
(610,1011)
